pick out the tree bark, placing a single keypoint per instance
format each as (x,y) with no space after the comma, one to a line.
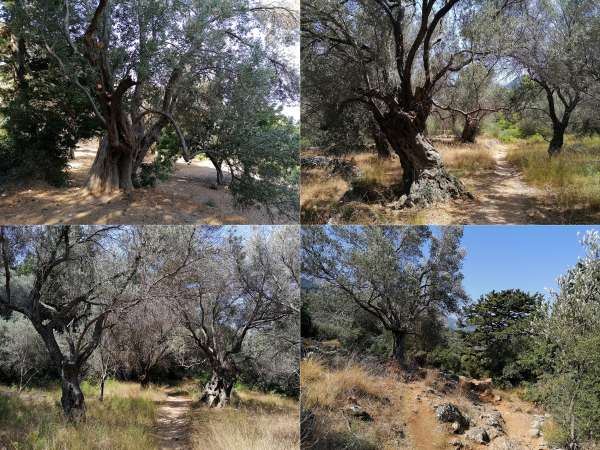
(381,144)
(102,383)
(144,381)
(112,169)
(218,164)
(557,141)
(72,400)
(400,348)
(470,130)
(217,392)
(424,180)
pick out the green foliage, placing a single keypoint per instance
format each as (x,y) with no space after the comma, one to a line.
(45,116)
(238,122)
(163,165)
(500,323)
(570,388)
(505,130)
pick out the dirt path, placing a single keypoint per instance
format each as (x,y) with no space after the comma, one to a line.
(189,196)
(173,423)
(501,197)
(422,427)
(518,417)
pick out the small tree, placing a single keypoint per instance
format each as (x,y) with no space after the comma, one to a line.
(71,288)
(473,95)
(554,54)
(399,275)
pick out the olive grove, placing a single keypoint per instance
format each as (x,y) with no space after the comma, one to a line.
(150,304)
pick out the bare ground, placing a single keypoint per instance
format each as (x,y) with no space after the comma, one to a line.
(189,196)
(173,425)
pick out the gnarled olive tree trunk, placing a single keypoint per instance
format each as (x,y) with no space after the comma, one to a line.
(112,169)
(72,400)
(217,162)
(424,178)
(217,392)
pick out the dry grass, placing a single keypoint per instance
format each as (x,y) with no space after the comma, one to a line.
(465,159)
(328,389)
(256,421)
(574,175)
(124,421)
(321,192)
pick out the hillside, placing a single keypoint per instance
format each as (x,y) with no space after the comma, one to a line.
(368,405)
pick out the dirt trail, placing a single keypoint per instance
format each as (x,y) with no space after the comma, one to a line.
(426,433)
(501,196)
(189,196)
(423,429)
(173,423)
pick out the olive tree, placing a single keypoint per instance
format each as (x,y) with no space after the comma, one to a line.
(133,60)
(228,291)
(473,94)
(553,53)
(571,326)
(389,56)
(398,275)
(75,278)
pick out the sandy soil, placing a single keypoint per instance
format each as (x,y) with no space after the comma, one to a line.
(501,196)
(189,196)
(173,423)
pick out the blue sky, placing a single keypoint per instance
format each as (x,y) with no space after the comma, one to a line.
(526,257)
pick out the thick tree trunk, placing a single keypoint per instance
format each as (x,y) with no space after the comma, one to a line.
(72,400)
(400,348)
(470,130)
(112,170)
(217,392)
(558,137)
(424,180)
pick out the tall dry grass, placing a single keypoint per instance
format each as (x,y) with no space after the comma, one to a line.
(123,421)
(328,389)
(467,159)
(574,175)
(255,421)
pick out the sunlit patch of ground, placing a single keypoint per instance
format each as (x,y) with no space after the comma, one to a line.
(189,196)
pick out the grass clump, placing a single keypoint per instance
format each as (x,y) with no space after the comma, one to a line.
(573,175)
(258,421)
(329,389)
(466,159)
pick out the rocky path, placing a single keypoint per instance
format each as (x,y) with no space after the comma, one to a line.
(506,423)
(501,197)
(172,427)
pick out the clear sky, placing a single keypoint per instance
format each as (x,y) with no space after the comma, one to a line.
(526,257)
